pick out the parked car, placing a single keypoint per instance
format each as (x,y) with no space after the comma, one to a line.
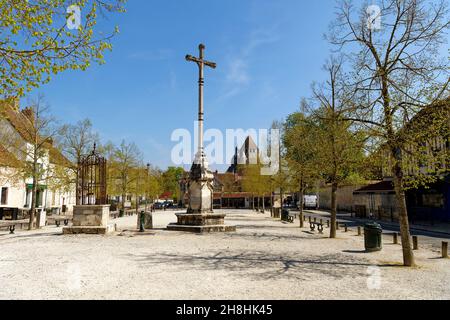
(171,205)
(158,206)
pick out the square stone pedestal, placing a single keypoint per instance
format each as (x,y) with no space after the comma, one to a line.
(90,219)
(201,223)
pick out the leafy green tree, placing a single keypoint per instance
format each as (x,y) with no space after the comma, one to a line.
(339,151)
(171,181)
(300,142)
(37,43)
(256,183)
(154,184)
(124,159)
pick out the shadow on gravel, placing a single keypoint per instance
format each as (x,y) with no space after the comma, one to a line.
(34,235)
(262,265)
(354,251)
(263,236)
(254,226)
(244,218)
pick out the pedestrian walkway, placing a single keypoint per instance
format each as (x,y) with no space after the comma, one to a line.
(441,229)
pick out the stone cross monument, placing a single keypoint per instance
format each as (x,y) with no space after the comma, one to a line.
(200,216)
(200,186)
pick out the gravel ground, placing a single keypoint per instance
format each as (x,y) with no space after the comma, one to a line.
(264,259)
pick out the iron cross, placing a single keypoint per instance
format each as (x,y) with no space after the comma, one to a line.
(201,63)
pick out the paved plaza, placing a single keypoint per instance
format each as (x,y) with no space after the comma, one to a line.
(264,259)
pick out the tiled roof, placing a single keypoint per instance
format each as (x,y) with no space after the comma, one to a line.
(16,118)
(383,186)
(166,195)
(7,159)
(9,111)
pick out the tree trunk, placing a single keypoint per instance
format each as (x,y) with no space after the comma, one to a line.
(301,196)
(123,202)
(281,199)
(263,205)
(397,173)
(408,254)
(33,191)
(33,205)
(77,189)
(333,221)
(137,204)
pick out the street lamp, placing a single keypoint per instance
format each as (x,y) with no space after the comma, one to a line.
(147,187)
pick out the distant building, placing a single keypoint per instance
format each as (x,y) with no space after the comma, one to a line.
(228,191)
(246,155)
(431,203)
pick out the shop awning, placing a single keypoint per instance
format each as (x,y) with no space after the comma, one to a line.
(40,187)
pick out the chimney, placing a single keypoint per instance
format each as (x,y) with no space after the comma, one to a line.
(29,113)
(13,103)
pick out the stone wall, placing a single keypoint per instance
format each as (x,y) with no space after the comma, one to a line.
(344,197)
(90,216)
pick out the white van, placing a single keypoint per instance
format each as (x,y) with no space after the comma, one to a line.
(310,202)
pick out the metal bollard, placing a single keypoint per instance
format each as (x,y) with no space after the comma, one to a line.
(444,249)
(415,243)
(315,219)
(395,237)
(345,228)
(309,218)
(359,231)
(328,223)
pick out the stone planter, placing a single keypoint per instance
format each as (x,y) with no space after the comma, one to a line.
(90,219)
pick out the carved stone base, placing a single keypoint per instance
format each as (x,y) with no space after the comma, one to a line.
(90,219)
(201,223)
(200,197)
(90,230)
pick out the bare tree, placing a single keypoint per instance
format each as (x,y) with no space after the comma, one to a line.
(340,150)
(31,141)
(398,71)
(77,141)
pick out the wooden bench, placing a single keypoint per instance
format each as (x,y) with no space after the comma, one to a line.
(59,219)
(289,217)
(114,214)
(313,226)
(11,224)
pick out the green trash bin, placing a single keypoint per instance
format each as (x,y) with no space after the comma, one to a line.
(285,215)
(372,237)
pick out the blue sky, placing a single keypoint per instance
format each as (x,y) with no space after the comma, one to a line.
(268,52)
